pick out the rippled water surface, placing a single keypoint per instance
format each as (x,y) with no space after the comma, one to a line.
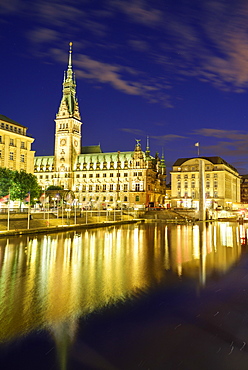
(147,296)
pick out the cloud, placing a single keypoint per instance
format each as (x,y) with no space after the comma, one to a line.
(139,45)
(159,139)
(221,134)
(120,77)
(168,137)
(208,42)
(43,35)
(139,11)
(135,132)
(231,143)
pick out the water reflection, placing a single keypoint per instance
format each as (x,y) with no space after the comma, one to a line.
(50,281)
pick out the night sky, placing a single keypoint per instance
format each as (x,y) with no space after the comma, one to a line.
(173,70)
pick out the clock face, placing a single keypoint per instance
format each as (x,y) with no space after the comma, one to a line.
(62,142)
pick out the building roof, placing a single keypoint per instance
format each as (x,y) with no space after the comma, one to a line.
(91,149)
(7,119)
(214,160)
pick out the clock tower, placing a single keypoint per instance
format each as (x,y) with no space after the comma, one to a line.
(67,131)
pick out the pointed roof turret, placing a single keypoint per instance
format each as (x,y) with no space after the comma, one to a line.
(147,148)
(69,104)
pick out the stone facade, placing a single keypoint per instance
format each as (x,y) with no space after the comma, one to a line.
(221,183)
(244,189)
(15,146)
(98,180)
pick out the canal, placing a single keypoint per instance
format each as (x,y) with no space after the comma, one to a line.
(141,296)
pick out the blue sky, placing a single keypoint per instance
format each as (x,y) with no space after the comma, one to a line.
(173,70)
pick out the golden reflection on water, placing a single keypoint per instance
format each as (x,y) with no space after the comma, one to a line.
(50,281)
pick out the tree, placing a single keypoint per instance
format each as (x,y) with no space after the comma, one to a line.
(54,187)
(18,184)
(6,181)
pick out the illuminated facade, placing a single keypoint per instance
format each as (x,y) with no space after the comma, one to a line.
(244,188)
(133,178)
(15,146)
(221,183)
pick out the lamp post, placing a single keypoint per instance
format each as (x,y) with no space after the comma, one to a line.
(75,210)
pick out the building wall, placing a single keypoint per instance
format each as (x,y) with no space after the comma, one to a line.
(15,146)
(221,185)
(133,178)
(109,179)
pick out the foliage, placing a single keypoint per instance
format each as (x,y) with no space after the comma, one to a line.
(54,187)
(18,184)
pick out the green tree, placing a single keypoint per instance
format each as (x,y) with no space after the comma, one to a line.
(6,181)
(54,187)
(19,184)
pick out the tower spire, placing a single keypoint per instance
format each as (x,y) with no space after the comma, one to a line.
(69,105)
(147,147)
(70,56)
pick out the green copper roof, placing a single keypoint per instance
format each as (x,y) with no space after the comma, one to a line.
(91,149)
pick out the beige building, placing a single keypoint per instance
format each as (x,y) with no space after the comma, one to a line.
(220,183)
(15,146)
(131,178)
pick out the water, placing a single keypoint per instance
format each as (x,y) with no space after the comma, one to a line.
(146,296)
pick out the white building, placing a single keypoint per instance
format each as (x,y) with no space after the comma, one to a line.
(221,183)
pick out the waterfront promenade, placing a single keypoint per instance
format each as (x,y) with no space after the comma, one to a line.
(43,223)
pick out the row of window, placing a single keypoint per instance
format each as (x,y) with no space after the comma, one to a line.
(215,184)
(11,156)
(118,174)
(9,127)
(97,175)
(193,195)
(196,168)
(186,176)
(109,199)
(105,165)
(12,142)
